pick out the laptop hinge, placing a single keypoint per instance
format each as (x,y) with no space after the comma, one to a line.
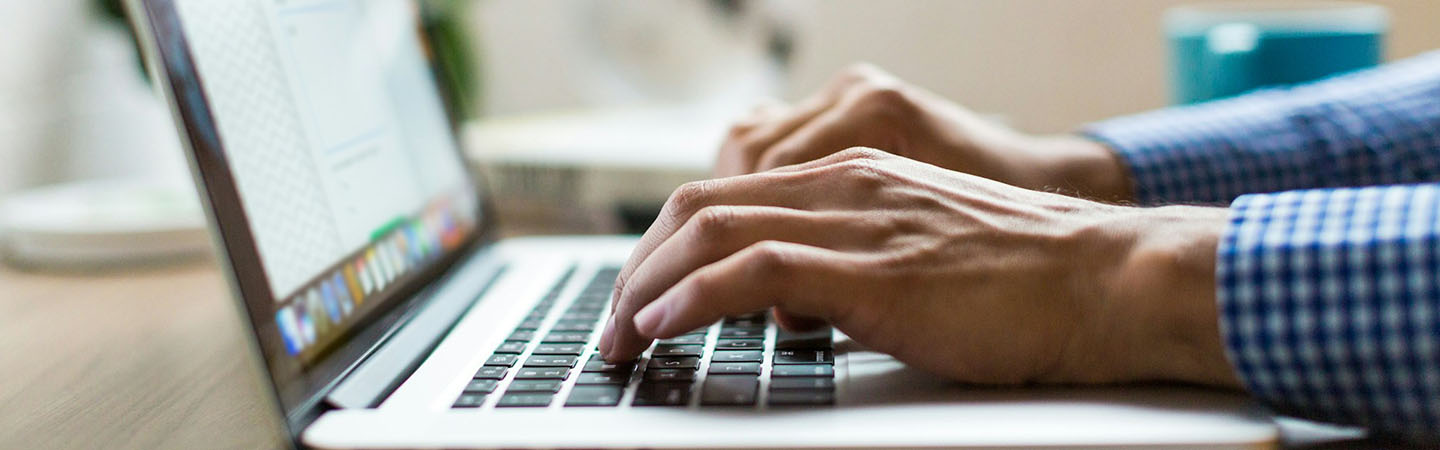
(378,375)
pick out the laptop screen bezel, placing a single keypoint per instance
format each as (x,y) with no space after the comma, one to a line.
(300,397)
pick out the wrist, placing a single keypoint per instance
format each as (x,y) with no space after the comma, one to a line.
(1156,316)
(1081,167)
(1167,284)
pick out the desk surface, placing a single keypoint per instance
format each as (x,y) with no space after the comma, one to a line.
(142,359)
(147,359)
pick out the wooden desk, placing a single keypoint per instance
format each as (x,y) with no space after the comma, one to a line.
(141,359)
(151,359)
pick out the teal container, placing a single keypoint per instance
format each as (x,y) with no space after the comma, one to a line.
(1220,50)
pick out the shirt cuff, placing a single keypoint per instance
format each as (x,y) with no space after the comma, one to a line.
(1210,153)
(1329,304)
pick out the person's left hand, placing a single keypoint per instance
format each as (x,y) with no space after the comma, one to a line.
(962,276)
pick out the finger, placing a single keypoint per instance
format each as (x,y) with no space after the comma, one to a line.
(717,232)
(765,110)
(743,149)
(768,108)
(849,154)
(791,190)
(831,132)
(790,321)
(808,280)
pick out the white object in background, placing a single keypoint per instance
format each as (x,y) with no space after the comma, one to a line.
(117,222)
(595,159)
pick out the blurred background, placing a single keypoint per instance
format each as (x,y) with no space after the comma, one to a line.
(583,113)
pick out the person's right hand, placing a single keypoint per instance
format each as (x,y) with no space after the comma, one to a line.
(866,107)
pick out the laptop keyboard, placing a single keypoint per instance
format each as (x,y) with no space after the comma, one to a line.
(551,359)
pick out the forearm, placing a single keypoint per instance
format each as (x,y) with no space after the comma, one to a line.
(1374,127)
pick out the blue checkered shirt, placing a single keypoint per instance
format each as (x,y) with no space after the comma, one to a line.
(1328,277)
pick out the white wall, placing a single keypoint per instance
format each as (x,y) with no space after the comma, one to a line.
(1047,65)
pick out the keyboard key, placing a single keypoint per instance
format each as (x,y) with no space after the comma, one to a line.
(803,370)
(551,386)
(501,360)
(739,344)
(724,368)
(677,350)
(603,378)
(698,332)
(730,390)
(522,336)
(746,322)
(669,375)
(587,307)
(821,338)
(481,386)
(802,397)
(581,315)
(662,394)
(529,325)
(491,373)
(511,347)
(585,326)
(567,337)
(542,373)
(469,401)
(551,361)
(686,339)
(737,356)
(756,315)
(742,333)
(598,364)
(683,362)
(804,357)
(595,395)
(802,383)
(532,400)
(560,349)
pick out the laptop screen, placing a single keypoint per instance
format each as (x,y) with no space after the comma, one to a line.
(328,159)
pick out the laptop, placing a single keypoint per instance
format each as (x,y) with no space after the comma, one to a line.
(387,314)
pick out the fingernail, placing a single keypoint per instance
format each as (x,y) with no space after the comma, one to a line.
(647,321)
(607,335)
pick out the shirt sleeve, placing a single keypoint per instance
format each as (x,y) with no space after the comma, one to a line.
(1380,126)
(1330,304)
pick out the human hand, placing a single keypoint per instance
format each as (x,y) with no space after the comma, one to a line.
(959,275)
(864,106)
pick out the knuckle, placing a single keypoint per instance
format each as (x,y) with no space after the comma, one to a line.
(690,196)
(865,171)
(711,221)
(862,153)
(882,98)
(768,259)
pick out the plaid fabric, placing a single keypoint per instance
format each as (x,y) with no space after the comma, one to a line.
(1374,127)
(1329,298)
(1330,304)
